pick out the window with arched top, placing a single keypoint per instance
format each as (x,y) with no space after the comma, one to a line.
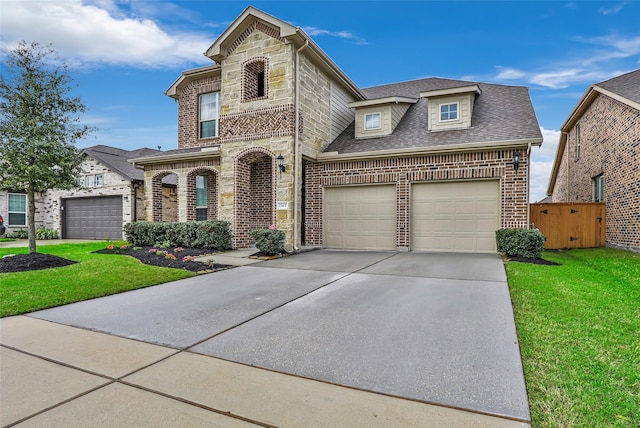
(255,79)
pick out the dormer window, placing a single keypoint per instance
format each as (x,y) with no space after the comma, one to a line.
(448,112)
(255,79)
(372,121)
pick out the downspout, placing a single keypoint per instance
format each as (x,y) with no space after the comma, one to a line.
(528,185)
(296,149)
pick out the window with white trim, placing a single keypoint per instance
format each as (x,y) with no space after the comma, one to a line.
(448,112)
(372,121)
(99,180)
(17,209)
(598,188)
(201,197)
(89,181)
(209,114)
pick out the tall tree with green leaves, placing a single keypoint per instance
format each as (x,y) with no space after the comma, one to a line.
(39,125)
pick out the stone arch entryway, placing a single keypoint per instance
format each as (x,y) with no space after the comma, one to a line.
(164,196)
(202,194)
(254,193)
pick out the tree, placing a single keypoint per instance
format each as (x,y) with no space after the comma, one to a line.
(39,125)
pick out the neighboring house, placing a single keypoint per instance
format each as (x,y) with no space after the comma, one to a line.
(597,158)
(110,193)
(274,133)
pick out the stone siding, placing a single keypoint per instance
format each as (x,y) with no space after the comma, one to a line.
(609,145)
(417,169)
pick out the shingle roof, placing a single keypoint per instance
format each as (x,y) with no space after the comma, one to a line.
(501,113)
(627,85)
(117,159)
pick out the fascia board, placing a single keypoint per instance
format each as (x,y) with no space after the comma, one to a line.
(452,148)
(203,154)
(216,51)
(380,101)
(188,76)
(451,91)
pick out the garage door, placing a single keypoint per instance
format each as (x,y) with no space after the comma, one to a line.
(92,218)
(456,216)
(360,217)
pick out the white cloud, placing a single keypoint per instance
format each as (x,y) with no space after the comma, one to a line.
(613,10)
(315,31)
(507,73)
(100,32)
(541,164)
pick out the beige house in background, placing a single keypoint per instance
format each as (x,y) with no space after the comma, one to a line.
(598,156)
(273,132)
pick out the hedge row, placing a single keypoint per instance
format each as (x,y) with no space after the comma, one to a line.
(527,243)
(213,234)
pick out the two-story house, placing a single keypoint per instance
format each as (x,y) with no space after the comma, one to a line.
(597,158)
(275,133)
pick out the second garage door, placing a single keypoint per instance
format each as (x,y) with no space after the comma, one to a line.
(455,216)
(360,217)
(92,218)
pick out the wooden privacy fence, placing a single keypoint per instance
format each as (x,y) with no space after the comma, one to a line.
(570,224)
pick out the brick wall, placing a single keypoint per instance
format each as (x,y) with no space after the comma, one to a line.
(188,112)
(407,170)
(610,145)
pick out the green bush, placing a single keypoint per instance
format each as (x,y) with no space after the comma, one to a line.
(18,234)
(528,243)
(269,241)
(43,233)
(199,234)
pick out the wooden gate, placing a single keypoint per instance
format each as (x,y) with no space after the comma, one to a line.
(570,224)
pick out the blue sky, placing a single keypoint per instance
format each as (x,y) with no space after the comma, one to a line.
(126,53)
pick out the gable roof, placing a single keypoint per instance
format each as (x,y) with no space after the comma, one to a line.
(117,159)
(624,88)
(502,115)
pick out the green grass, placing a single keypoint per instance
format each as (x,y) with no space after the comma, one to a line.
(579,331)
(7,239)
(93,276)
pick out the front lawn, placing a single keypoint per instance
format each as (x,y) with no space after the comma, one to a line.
(579,331)
(93,276)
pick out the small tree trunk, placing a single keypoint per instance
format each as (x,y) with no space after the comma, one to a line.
(31,216)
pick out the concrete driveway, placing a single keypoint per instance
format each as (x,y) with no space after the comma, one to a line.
(422,329)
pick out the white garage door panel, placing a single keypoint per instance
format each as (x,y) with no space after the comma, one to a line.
(456,216)
(360,217)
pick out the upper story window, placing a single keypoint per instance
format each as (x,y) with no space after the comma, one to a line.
(448,112)
(372,121)
(17,209)
(209,114)
(89,181)
(255,79)
(598,188)
(577,141)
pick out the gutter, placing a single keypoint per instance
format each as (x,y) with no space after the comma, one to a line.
(297,151)
(451,148)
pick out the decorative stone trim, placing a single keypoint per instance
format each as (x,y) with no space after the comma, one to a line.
(257,124)
(269,31)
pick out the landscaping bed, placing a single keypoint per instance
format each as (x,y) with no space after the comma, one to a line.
(35,261)
(172,257)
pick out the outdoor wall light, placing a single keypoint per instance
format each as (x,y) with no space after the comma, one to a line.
(280,159)
(516,160)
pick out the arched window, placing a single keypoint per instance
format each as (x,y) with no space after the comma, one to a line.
(255,79)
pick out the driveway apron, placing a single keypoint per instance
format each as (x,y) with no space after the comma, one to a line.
(436,328)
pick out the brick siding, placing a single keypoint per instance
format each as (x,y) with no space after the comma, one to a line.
(610,145)
(417,169)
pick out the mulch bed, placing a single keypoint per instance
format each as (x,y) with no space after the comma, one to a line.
(150,258)
(34,261)
(533,261)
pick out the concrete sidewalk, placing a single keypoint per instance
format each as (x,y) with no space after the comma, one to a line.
(60,376)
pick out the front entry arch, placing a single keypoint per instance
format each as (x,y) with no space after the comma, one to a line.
(254,193)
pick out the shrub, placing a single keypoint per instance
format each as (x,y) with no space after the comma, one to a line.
(201,234)
(528,243)
(18,234)
(269,241)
